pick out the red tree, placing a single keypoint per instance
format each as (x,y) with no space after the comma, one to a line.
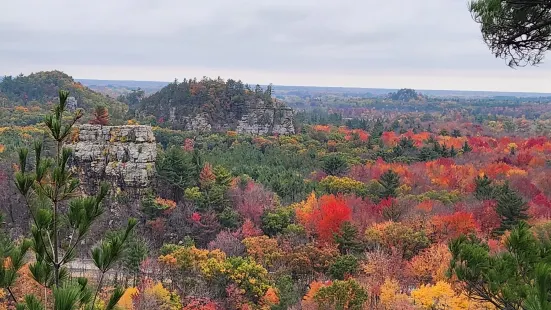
(328,217)
(101,116)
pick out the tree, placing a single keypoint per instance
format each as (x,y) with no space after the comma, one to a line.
(175,167)
(390,181)
(335,165)
(483,188)
(511,208)
(344,266)
(347,239)
(101,116)
(518,278)
(518,31)
(341,295)
(46,190)
(466,147)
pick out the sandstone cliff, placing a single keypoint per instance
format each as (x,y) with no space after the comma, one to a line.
(122,155)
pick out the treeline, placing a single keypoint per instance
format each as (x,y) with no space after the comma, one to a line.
(223,101)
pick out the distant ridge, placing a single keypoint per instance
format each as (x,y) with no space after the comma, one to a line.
(157,85)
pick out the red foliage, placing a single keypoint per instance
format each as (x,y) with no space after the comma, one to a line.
(540,207)
(328,217)
(486,216)
(249,229)
(446,227)
(530,143)
(101,116)
(198,303)
(523,159)
(525,187)
(189,145)
(196,217)
(252,201)
(364,212)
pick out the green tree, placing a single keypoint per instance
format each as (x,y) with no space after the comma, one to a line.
(518,278)
(466,147)
(335,165)
(390,181)
(483,188)
(46,191)
(343,266)
(274,222)
(175,167)
(511,208)
(517,31)
(341,295)
(348,240)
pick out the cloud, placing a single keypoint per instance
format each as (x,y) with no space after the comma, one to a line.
(285,41)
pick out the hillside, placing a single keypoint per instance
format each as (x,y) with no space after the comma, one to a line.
(34,93)
(210,104)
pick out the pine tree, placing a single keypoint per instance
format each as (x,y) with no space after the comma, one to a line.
(390,181)
(347,239)
(466,147)
(516,278)
(46,191)
(484,189)
(453,152)
(335,165)
(511,208)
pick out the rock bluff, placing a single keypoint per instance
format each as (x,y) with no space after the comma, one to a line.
(122,155)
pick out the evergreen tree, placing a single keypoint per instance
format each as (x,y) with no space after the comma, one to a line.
(378,129)
(46,191)
(511,208)
(466,147)
(347,240)
(390,181)
(517,278)
(453,152)
(484,189)
(335,165)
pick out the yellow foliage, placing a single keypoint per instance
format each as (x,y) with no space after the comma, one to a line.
(390,296)
(442,296)
(2,148)
(431,264)
(126,300)
(165,299)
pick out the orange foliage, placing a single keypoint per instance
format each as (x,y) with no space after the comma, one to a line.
(308,299)
(323,217)
(431,264)
(446,227)
(322,128)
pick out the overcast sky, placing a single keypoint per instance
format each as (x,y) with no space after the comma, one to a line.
(423,44)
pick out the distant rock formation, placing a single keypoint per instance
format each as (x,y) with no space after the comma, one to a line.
(122,155)
(263,121)
(260,121)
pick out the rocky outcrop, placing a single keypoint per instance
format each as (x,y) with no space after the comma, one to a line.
(122,155)
(198,123)
(264,121)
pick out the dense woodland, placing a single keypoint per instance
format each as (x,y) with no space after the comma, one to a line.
(443,207)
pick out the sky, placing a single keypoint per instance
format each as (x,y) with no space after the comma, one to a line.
(421,44)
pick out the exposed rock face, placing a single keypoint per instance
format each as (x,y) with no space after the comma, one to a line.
(122,155)
(198,123)
(264,121)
